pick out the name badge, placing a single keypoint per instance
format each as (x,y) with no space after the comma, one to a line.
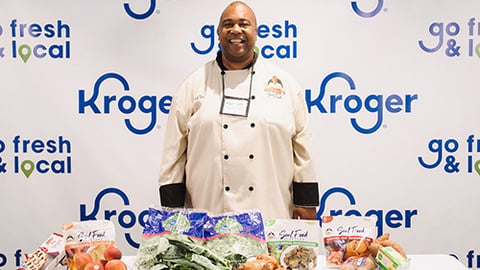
(235,106)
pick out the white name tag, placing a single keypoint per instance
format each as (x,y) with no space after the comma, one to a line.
(235,106)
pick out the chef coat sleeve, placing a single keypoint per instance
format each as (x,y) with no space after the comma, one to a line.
(172,170)
(305,186)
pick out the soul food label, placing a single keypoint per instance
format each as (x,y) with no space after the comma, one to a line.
(294,242)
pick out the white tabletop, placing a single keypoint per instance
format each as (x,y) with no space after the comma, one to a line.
(421,262)
(417,262)
(437,261)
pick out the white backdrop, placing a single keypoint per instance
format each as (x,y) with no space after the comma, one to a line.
(400,143)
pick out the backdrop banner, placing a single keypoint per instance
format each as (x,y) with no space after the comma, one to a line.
(391,88)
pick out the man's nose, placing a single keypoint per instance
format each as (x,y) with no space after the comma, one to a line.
(236,28)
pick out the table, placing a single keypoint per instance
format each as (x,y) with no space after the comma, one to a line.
(417,262)
(421,262)
(436,261)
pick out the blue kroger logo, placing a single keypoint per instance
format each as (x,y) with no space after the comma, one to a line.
(124,104)
(126,218)
(367,14)
(140,16)
(376,104)
(393,218)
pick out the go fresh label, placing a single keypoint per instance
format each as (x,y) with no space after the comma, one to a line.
(31,40)
(42,156)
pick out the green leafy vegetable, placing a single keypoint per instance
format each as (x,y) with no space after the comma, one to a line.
(178,252)
(235,248)
(185,239)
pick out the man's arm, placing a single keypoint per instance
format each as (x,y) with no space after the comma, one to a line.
(304,213)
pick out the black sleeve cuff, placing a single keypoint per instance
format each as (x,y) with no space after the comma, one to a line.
(172,195)
(305,194)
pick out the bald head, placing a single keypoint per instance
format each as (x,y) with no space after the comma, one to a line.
(239,5)
(237,33)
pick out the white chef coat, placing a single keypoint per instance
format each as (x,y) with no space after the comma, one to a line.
(234,163)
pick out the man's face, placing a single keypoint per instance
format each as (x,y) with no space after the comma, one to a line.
(237,33)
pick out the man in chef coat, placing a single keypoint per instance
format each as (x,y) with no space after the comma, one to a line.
(233,142)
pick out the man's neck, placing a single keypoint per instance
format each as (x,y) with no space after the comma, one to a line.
(238,65)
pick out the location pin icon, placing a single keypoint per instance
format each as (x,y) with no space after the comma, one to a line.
(477,49)
(27,167)
(477,166)
(25,51)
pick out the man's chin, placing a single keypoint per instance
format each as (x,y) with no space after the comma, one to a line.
(237,53)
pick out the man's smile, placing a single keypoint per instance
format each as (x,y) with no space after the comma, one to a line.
(236,40)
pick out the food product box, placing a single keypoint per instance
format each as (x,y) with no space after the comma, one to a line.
(49,256)
(389,259)
(341,233)
(295,242)
(55,245)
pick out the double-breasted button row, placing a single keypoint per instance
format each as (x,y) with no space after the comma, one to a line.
(252,125)
(250,188)
(251,156)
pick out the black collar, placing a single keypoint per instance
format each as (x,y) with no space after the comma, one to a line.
(223,68)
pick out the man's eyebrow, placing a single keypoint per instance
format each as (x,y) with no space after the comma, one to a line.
(231,20)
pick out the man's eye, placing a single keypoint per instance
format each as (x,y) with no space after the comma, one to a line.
(228,25)
(244,25)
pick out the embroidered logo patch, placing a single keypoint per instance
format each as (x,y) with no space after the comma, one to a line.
(275,88)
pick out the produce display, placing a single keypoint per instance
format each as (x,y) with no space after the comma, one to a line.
(190,239)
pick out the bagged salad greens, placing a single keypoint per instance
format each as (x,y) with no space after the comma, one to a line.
(235,236)
(191,239)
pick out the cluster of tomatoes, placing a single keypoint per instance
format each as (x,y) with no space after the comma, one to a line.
(112,260)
